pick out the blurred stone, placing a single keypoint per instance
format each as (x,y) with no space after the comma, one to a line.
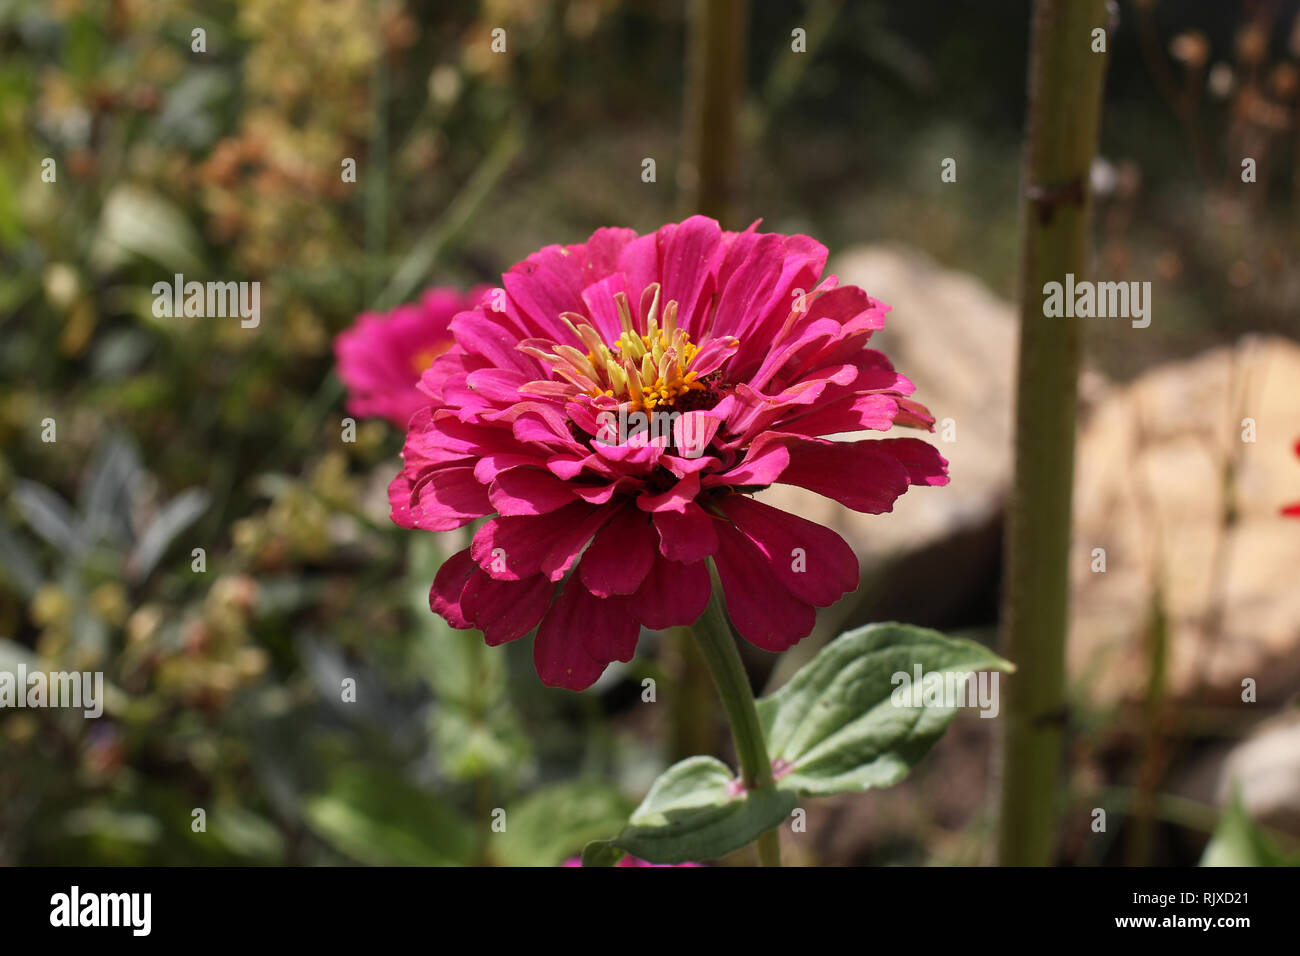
(1149,490)
(1188,515)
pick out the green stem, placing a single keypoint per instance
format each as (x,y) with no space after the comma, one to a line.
(691,731)
(715,86)
(1065,95)
(377,174)
(769,849)
(453,220)
(718,647)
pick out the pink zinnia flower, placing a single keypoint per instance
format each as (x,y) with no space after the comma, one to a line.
(714,326)
(381,356)
(1293,511)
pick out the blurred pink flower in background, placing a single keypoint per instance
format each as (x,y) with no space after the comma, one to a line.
(381,356)
(754,356)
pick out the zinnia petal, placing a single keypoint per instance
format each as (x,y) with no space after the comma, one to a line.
(814,563)
(673,594)
(686,535)
(448,585)
(505,610)
(560,648)
(762,609)
(621,554)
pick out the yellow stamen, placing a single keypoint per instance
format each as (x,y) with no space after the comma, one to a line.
(644,369)
(422,359)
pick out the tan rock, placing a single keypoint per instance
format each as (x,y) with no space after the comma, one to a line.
(1187,513)
(1265,770)
(1149,489)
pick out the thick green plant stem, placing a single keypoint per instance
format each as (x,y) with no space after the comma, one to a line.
(714,90)
(1065,95)
(713,634)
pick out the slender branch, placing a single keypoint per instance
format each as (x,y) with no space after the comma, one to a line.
(377,174)
(714,90)
(453,220)
(1065,94)
(788,70)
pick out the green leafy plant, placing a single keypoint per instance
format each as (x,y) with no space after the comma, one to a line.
(835,727)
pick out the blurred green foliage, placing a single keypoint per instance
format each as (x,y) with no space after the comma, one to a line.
(225,665)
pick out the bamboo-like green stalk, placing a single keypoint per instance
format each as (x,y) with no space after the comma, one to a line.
(714,89)
(377,174)
(1065,96)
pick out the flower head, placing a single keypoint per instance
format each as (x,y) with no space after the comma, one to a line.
(616,409)
(381,356)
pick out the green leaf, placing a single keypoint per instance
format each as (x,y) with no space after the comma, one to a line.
(555,822)
(173,518)
(835,726)
(113,825)
(13,654)
(105,499)
(693,812)
(474,724)
(458,666)
(1239,841)
(601,853)
(376,817)
(471,746)
(247,835)
(137,222)
(48,515)
(17,563)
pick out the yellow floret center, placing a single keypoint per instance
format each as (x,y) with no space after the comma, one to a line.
(657,371)
(422,359)
(645,369)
